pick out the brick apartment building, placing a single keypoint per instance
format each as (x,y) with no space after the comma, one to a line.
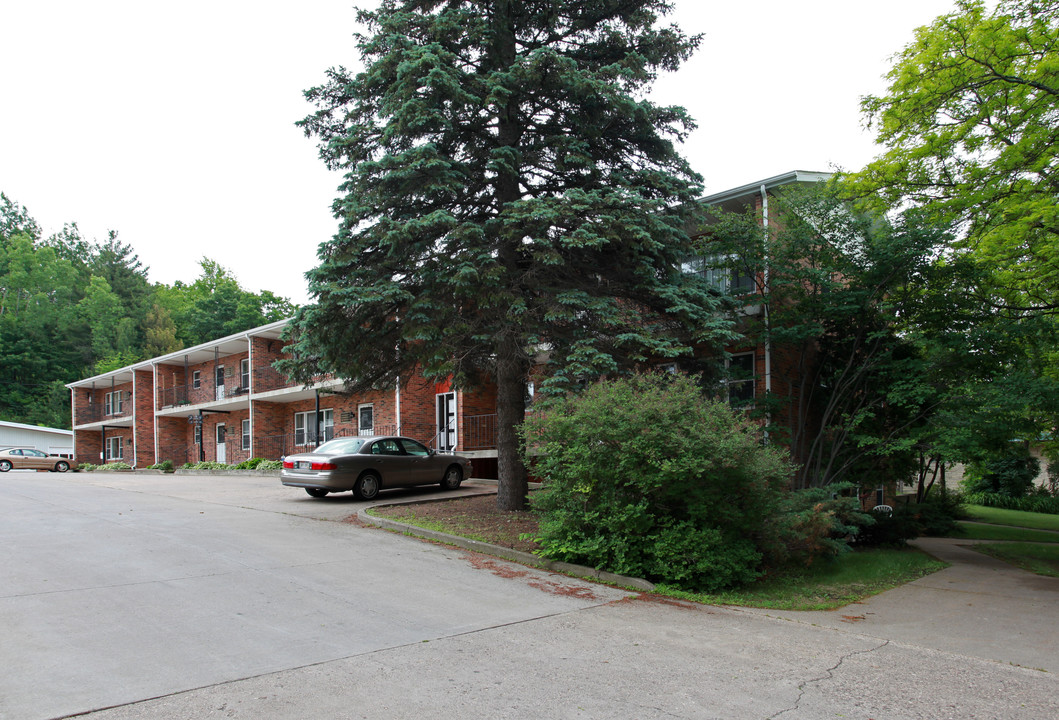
(224,401)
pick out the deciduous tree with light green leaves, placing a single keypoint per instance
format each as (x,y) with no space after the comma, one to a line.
(971,125)
(510,195)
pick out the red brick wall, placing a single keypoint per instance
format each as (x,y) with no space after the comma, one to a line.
(87,446)
(143,428)
(419,407)
(176,440)
(266,351)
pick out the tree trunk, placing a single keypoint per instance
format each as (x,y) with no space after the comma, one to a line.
(511,412)
(512,365)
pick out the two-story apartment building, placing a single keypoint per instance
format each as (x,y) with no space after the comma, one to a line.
(224,401)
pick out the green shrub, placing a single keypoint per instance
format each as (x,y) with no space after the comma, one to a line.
(892,529)
(208,465)
(646,477)
(939,513)
(812,523)
(250,464)
(116,465)
(87,467)
(1040,503)
(1010,475)
(269,465)
(165,466)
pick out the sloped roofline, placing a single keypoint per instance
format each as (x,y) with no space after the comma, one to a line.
(754,188)
(39,428)
(271,328)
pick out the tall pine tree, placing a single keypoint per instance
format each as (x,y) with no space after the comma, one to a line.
(509,195)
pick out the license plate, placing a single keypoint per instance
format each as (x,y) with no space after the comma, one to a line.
(303,464)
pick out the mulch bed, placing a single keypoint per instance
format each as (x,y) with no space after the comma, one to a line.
(476,517)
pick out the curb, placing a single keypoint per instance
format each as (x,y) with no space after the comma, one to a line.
(523,558)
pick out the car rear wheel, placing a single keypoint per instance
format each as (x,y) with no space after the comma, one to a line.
(453,478)
(316,492)
(5,465)
(367,486)
(62,466)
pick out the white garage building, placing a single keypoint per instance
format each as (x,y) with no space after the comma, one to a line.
(50,440)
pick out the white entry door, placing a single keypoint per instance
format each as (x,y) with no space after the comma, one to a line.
(222,451)
(446,421)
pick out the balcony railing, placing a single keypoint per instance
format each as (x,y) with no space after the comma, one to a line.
(98,412)
(479,432)
(190,395)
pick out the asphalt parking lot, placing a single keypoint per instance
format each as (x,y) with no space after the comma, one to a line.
(130,596)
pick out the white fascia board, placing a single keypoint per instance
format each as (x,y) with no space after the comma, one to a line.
(177,355)
(754,188)
(38,428)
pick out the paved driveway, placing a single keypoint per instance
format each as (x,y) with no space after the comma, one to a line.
(170,597)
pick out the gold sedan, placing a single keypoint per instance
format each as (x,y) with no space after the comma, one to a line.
(30,459)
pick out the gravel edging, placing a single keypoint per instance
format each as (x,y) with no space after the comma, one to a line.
(523,558)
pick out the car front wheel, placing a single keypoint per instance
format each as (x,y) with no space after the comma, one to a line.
(453,478)
(316,492)
(5,465)
(62,466)
(367,486)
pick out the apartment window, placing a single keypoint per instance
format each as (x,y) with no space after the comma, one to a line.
(246,434)
(366,419)
(112,403)
(725,273)
(198,434)
(741,379)
(196,379)
(244,374)
(305,427)
(114,448)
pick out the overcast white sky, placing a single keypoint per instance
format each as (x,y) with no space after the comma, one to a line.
(173,123)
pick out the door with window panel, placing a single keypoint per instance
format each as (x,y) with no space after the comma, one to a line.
(446,435)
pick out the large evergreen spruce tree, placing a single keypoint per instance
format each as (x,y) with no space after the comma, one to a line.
(510,196)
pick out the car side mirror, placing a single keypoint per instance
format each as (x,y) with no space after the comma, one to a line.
(432,451)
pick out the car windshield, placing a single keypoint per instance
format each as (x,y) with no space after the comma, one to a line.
(339,446)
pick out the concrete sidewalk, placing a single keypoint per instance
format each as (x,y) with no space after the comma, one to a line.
(980,607)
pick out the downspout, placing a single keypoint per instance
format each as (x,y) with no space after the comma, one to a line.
(317,415)
(397,403)
(135,445)
(73,420)
(250,395)
(765,304)
(154,416)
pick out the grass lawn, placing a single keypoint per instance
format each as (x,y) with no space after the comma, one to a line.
(1040,559)
(828,584)
(978,531)
(1017,518)
(1030,546)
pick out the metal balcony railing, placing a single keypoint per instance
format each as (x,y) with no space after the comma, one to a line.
(479,432)
(206,392)
(99,412)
